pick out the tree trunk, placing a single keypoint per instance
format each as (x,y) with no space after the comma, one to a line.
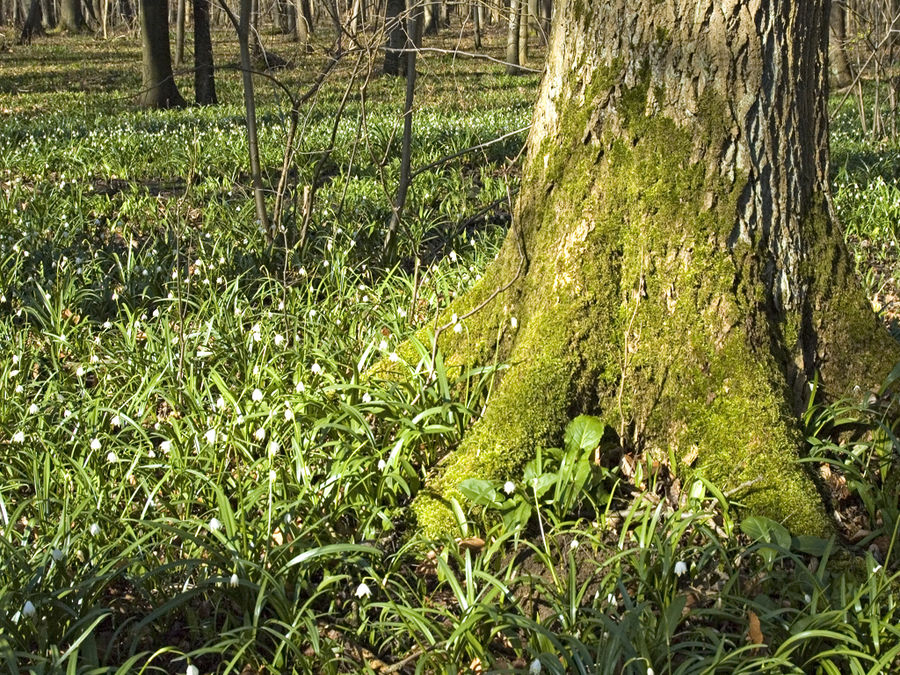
(839,66)
(159,89)
(304,24)
(33,23)
(71,17)
(393,25)
(523,32)
(204,70)
(674,265)
(181,9)
(512,38)
(48,21)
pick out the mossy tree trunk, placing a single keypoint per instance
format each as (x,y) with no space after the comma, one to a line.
(674,264)
(159,88)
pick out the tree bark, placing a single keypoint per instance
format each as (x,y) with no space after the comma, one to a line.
(674,265)
(180,18)
(393,24)
(204,70)
(71,16)
(512,38)
(304,24)
(159,88)
(33,23)
(839,65)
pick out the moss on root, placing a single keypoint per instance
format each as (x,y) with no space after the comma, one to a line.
(635,308)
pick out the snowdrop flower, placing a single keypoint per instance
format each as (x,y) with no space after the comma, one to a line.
(573,544)
(215,524)
(95,444)
(274,447)
(257,395)
(383,345)
(363,591)
(94,529)
(300,387)
(111,457)
(535,667)
(367,398)
(393,357)
(457,328)
(514,322)
(210,436)
(220,402)
(807,598)
(611,598)
(28,609)
(509,487)
(33,409)
(19,437)
(94,357)
(192,670)
(454,318)
(233,582)
(56,554)
(116,421)
(316,369)
(381,464)
(15,359)
(166,446)
(650,671)
(67,413)
(259,434)
(279,340)
(79,371)
(680,568)
(288,414)
(18,389)
(107,325)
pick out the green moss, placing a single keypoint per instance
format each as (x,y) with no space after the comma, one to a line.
(635,310)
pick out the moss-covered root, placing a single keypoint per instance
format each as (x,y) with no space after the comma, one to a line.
(529,409)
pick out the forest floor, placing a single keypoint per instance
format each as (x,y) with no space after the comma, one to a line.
(196,470)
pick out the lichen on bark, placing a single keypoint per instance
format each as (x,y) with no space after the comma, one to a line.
(662,291)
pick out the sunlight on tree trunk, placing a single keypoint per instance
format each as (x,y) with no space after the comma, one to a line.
(684,276)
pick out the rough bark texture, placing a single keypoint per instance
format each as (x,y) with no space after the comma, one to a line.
(159,89)
(684,277)
(839,64)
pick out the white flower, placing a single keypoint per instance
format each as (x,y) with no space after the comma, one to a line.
(220,402)
(876,569)
(111,457)
(116,421)
(210,436)
(454,318)
(509,487)
(383,345)
(166,446)
(259,434)
(381,464)
(393,357)
(215,524)
(95,444)
(680,568)
(573,544)
(79,371)
(514,322)
(233,582)
(279,340)
(19,437)
(192,670)
(611,598)
(56,554)
(257,395)
(316,369)
(807,598)
(650,671)
(457,328)
(67,413)
(363,591)
(33,409)
(274,447)
(28,609)
(367,398)
(94,529)
(288,413)
(535,667)
(107,325)
(300,388)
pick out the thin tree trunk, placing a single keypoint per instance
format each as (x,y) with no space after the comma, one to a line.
(841,75)
(179,32)
(204,70)
(250,109)
(476,22)
(512,39)
(394,27)
(523,32)
(32,25)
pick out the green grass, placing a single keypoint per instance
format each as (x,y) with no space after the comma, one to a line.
(197,470)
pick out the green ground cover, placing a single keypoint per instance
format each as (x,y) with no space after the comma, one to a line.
(197,471)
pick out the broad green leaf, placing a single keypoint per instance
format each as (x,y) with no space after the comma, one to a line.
(584,432)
